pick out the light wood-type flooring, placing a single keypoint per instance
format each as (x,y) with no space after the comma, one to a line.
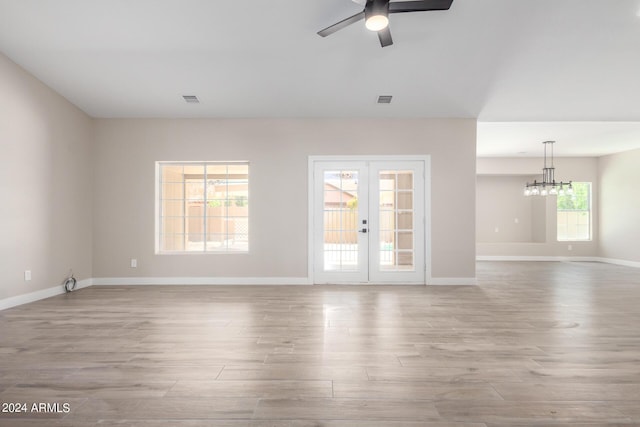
(537,343)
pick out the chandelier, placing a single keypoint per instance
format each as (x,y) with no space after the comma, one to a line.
(548,186)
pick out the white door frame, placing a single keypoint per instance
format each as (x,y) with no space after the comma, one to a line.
(366,158)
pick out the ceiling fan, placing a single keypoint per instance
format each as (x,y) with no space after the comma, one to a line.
(376,15)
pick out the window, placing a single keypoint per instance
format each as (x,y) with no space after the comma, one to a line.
(574,213)
(202,207)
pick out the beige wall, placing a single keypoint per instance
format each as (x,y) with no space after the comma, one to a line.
(502,214)
(620,206)
(278,150)
(497,175)
(45,185)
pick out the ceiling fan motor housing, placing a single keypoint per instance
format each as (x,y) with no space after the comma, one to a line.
(376,7)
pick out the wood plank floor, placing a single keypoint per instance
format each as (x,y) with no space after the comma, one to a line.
(534,344)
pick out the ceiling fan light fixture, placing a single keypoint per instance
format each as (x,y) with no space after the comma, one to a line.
(376,22)
(376,15)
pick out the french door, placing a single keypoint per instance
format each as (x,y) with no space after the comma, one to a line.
(369,221)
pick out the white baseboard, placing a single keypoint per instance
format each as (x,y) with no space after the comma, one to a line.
(201,281)
(559,259)
(583,259)
(38,295)
(119,281)
(620,262)
(528,258)
(451,281)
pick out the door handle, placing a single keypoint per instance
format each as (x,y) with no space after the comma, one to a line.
(364,230)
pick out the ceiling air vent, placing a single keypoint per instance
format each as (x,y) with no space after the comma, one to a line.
(384,99)
(191,99)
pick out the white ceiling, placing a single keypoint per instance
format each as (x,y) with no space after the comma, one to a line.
(524,139)
(543,61)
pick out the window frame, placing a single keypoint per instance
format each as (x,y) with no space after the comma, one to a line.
(589,210)
(158,206)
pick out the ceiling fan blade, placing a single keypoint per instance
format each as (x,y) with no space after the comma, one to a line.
(419,6)
(340,25)
(385,37)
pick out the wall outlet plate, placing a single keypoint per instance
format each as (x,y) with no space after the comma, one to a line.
(134,263)
(27,275)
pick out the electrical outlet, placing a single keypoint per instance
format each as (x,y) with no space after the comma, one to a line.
(570,247)
(134,263)
(497,230)
(516,220)
(27,275)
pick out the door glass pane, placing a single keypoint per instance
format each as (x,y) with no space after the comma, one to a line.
(405,199)
(340,221)
(396,213)
(405,260)
(405,220)
(405,180)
